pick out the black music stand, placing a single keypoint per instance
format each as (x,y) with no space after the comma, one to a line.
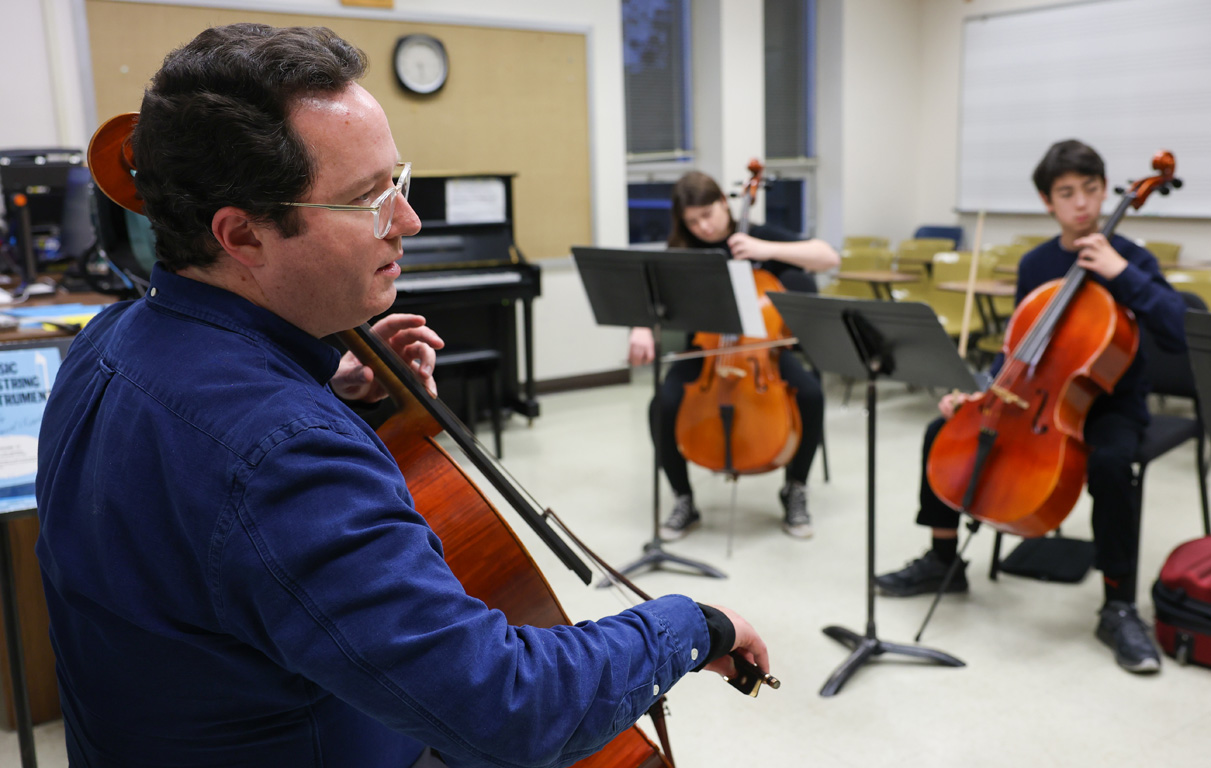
(679,289)
(872,340)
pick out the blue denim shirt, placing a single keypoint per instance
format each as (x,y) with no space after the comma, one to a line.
(236,575)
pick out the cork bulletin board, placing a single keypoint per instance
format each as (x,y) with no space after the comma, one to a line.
(516,101)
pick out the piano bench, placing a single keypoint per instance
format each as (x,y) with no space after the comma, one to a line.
(471,366)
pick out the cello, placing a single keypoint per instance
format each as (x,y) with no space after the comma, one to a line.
(1014,456)
(480,547)
(740,417)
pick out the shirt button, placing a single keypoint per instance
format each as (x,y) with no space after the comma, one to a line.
(655,690)
(693,654)
(153,291)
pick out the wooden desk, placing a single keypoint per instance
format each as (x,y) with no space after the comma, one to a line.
(49,300)
(984,292)
(879,280)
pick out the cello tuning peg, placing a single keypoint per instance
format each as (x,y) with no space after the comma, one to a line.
(1164,190)
(1177,183)
(1119,190)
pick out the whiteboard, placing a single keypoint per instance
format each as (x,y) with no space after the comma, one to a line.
(1127,77)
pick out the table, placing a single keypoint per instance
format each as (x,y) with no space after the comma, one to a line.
(31,676)
(879,280)
(12,638)
(984,292)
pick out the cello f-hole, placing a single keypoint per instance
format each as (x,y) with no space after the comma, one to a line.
(1036,424)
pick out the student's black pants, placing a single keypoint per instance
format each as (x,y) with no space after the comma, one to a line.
(811,411)
(1113,440)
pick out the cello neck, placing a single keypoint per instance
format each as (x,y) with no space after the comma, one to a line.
(406,390)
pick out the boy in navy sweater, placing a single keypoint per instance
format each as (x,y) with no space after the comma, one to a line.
(1071,180)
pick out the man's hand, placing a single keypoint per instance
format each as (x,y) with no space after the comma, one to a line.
(411,339)
(748,644)
(1096,254)
(950,402)
(748,247)
(642,349)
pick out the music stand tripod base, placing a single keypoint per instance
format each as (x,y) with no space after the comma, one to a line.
(654,557)
(866,648)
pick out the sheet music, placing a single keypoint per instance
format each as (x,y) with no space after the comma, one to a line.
(745,289)
(475,201)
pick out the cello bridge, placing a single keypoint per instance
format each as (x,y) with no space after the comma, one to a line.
(1006,396)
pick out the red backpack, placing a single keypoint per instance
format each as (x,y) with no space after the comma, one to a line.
(1182,596)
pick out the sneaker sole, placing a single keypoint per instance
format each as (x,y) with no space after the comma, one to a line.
(797,532)
(891,592)
(668,534)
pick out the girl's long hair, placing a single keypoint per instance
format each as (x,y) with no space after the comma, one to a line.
(693,189)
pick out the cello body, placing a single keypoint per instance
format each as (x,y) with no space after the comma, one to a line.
(761,429)
(1035,469)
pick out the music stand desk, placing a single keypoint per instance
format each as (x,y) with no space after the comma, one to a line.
(898,341)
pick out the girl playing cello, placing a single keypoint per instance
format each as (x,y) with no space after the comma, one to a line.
(702,219)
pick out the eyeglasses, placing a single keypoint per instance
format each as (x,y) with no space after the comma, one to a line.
(384,206)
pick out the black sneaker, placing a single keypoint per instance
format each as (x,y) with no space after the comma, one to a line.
(922,576)
(1120,627)
(679,522)
(796,520)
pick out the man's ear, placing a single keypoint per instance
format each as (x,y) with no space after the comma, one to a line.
(238,235)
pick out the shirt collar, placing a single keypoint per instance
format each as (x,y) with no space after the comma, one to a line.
(222,308)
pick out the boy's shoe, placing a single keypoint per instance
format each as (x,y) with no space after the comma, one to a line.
(1120,627)
(796,520)
(922,576)
(679,522)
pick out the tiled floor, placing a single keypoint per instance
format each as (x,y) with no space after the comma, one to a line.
(1038,688)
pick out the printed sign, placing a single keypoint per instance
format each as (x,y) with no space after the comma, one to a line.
(26,376)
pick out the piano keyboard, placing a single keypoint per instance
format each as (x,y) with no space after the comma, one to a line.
(444,281)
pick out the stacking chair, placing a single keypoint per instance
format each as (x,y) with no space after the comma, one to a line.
(915,255)
(1171,375)
(949,232)
(1030,241)
(858,260)
(949,266)
(1166,254)
(864,241)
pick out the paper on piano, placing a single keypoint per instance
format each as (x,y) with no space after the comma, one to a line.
(745,289)
(475,201)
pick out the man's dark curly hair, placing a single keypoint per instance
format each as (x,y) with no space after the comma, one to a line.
(213,132)
(1067,157)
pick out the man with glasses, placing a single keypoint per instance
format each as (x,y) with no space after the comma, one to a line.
(235,572)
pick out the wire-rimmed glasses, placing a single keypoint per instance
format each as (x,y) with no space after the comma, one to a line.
(383,207)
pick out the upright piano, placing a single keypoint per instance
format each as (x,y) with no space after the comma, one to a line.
(465,274)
